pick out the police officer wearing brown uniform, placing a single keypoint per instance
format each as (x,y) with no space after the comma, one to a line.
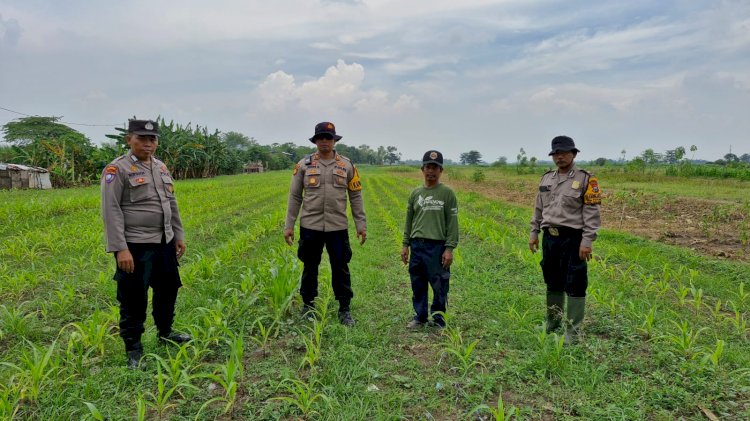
(567,210)
(144,231)
(320,185)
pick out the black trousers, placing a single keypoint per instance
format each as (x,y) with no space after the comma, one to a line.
(425,269)
(310,250)
(155,267)
(563,269)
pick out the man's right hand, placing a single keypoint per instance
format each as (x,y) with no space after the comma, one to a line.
(289,235)
(534,245)
(405,254)
(125,261)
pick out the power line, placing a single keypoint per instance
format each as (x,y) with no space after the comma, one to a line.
(63,122)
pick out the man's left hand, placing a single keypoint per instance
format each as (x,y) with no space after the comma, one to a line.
(180,246)
(362,235)
(447,258)
(584,253)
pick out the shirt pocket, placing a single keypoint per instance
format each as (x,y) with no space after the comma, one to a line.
(571,198)
(140,189)
(168,185)
(339,178)
(312,179)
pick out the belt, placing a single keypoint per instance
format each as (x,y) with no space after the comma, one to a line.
(563,231)
(427,240)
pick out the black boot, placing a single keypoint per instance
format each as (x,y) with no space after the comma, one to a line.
(555,306)
(574,319)
(345,317)
(174,337)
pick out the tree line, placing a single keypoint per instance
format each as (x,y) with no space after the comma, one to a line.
(189,152)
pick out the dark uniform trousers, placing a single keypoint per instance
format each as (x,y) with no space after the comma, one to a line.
(310,250)
(563,269)
(155,267)
(425,267)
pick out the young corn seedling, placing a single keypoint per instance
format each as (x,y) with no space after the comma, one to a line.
(716,309)
(464,353)
(498,413)
(742,295)
(681,291)
(228,376)
(94,332)
(302,396)
(160,401)
(697,294)
(738,321)
(10,401)
(36,370)
(312,345)
(647,327)
(715,357)
(16,322)
(685,342)
(262,333)
(179,366)
(140,409)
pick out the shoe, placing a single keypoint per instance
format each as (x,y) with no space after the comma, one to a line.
(308,311)
(345,317)
(438,323)
(415,324)
(134,359)
(178,338)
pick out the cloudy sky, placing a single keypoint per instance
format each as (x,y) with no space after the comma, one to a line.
(456,75)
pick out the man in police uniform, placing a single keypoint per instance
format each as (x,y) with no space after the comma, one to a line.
(567,210)
(144,231)
(431,231)
(320,185)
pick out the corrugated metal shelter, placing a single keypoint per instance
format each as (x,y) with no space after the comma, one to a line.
(16,176)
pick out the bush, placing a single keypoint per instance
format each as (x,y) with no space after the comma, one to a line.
(478,176)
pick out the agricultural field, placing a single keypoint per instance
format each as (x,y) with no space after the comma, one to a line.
(666,329)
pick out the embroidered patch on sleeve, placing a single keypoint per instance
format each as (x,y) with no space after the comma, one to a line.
(593,195)
(354,183)
(296,169)
(111,169)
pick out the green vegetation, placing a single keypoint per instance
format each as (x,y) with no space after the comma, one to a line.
(666,334)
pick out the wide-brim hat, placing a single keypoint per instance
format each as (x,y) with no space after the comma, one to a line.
(325,127)
(563,144)
(143,127)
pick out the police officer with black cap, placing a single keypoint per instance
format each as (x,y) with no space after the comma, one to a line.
(321,183)
(567,210)
(431,232)
(144,232)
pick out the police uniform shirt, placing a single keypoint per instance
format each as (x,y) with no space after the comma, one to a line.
(320,188)
(138,203)
(568,200)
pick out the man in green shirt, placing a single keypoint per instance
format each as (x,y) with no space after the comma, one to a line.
(431,231)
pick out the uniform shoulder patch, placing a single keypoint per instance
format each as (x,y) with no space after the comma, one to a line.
(355,184)
(593,195)
(296,169)
(110,169)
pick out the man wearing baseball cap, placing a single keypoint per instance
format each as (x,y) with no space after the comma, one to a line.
(567,210)
(321,183)
(144,232)
(431,232)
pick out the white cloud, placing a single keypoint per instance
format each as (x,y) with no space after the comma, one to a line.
(340,88)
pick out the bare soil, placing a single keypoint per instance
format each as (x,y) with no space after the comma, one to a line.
(710,227)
